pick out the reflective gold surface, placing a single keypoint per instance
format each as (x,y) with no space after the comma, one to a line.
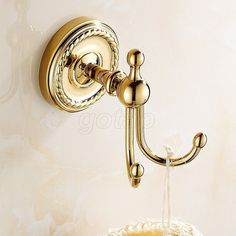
(82,39)
(76,74)
(134,169)
(79,65)
(199,141)
(133,91)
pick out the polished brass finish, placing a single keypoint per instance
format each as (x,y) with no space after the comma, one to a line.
(62,80)
(76,74)
(199,141)
(80,64)
(134,169)
(110,80)
(133,91)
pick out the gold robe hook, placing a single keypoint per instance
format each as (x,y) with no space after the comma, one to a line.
(80,64)
(199,141)
(133,93)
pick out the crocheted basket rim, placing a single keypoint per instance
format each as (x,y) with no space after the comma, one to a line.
(155,228)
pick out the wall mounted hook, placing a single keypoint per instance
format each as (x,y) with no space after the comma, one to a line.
(80,64)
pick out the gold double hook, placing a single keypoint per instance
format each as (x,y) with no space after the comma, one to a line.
(133,93)
(85,50)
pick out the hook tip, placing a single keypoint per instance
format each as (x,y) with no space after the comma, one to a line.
(136,171)
(200,140)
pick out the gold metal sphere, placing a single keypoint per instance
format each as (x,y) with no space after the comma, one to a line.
(133,93)
(135,57)
(200,140)
(136,170)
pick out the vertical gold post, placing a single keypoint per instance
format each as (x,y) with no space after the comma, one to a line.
(135,170)
(129,138)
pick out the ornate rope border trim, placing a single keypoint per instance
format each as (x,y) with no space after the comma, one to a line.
(59,91)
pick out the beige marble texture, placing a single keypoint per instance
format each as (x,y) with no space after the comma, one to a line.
(64,174)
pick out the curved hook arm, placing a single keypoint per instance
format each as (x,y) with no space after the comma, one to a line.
(199,141)
(135,170)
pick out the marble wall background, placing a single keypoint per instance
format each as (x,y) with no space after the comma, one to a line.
(64,174)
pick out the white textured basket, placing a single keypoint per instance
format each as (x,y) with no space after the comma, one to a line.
(152,228)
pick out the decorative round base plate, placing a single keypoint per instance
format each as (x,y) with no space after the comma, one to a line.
(77,43)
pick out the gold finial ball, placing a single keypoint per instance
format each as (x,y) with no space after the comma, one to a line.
(133,93)
(135,57)
(136,170)
(200,140)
